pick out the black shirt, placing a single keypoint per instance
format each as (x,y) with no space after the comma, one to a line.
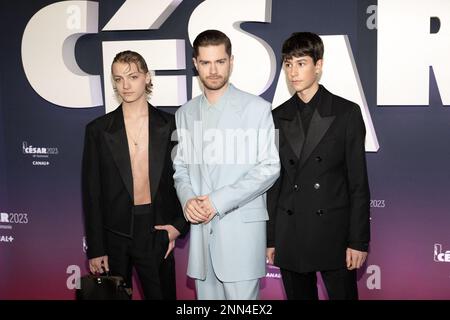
(306,110)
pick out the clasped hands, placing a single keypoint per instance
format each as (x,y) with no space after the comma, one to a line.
(199,210)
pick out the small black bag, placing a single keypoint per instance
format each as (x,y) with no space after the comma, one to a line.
(103,287)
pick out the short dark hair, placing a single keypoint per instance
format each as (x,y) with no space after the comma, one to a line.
(211,38)
(301,44)
(129,57)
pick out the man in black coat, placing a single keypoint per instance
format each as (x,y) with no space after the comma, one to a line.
(319,207)
(132,213)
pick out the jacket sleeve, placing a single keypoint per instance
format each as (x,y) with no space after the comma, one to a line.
(272,203)
(183,150)
(273,195)
(355,156)
(92,197)
(179,222)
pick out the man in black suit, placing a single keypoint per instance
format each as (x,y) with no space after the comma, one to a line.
(319,206)
(132,213)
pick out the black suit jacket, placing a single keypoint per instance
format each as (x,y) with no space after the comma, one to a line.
(108,183)
(319,206)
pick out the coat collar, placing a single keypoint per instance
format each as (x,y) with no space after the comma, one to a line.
(232,95)
(324,108)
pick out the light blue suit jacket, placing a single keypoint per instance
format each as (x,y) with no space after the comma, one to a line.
(237,242)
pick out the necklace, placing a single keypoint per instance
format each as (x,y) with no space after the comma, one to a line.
(135,140)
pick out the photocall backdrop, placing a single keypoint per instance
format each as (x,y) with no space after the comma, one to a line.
(391,57)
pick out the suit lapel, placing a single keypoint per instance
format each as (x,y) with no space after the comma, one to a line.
(320,122)
(159,130)
(116,139)
(196,136)
(231,116)
(291,127)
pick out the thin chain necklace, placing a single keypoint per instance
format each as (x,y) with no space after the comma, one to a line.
(135,140)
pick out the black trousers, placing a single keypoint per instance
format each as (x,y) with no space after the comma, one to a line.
(340,284)
(145,252)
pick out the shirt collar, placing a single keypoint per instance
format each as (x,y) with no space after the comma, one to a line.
(220,104)
(313,103)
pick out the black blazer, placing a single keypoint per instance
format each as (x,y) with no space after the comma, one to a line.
(319,206)
(108,183)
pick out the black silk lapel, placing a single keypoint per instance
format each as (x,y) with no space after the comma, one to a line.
(159,131)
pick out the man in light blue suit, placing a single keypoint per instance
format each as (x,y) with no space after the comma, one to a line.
(225,162)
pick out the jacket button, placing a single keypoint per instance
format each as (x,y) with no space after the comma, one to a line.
(316,186)
(319,212)
(289,212)
(318,159)
(296,187)
(291,162)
